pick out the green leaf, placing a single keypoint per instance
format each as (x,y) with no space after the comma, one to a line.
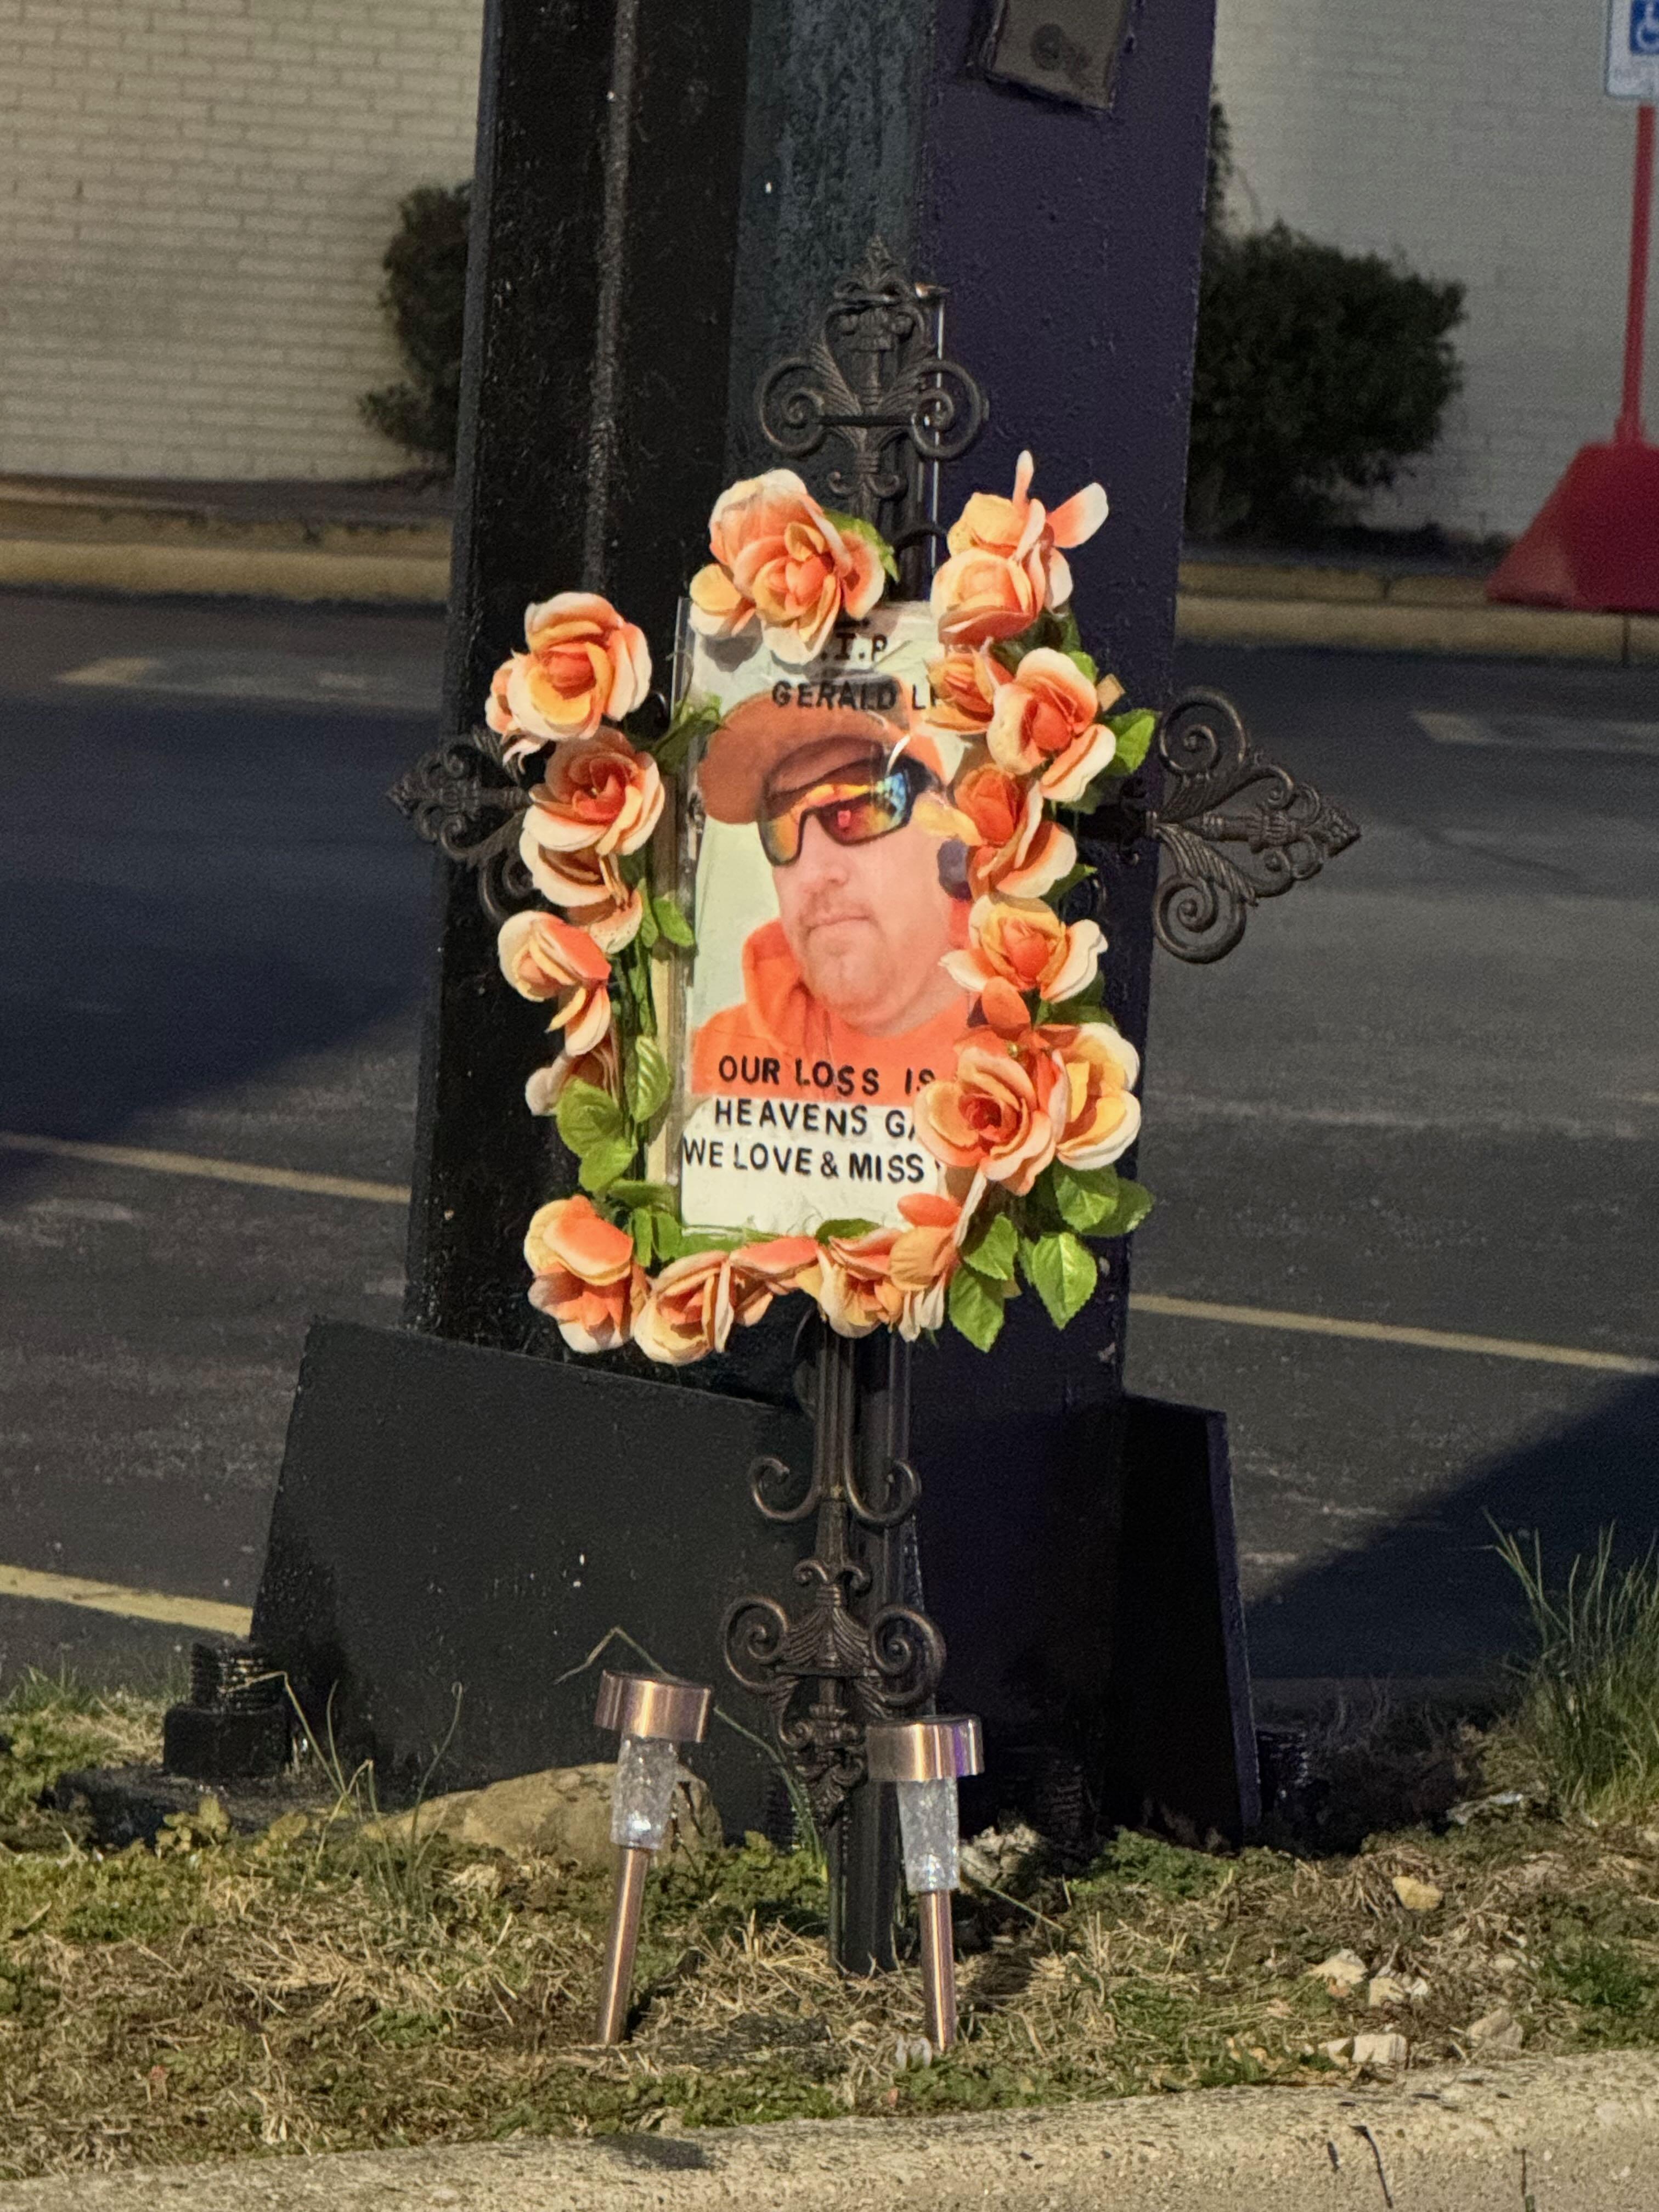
(991,1251)
(696,717)
(854,525)
(1083,1197)
(660,1195)
(671,923)
(1134,1203)
(1078,872)
(710,1240)
(975,1307)
(1134,733)
(602,1163)
(1063,1274)
(1085,664)
(588,1116)
(648,931)
(646,1077)
(1086,1008)
(642,1224)
(667,1235)
(849,1226)
(1068,638)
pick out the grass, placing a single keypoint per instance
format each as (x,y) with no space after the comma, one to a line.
(313,1990)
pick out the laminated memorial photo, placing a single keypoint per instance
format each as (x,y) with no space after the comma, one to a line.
(828,884)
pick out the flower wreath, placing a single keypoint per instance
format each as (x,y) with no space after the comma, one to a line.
(1041,1101)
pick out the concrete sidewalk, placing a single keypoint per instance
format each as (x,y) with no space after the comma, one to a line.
(386,544)
(1570,2135)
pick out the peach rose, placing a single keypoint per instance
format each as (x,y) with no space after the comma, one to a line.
(856,1293)
(1015,849)
(598,796)
(585,1274)
(926,1254)
(688,1311)
(778,557)
(964,682)
(542,957)
(585,664)
(1020,530)
(1024,943)
(978,598)
(1044,720)
(998,1115)
(760,1272)
(602,1068)
(1102,1117)
(590,889)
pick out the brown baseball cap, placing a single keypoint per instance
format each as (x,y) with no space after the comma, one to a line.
(763,747)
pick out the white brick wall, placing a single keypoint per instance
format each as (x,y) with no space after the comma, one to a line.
(1472,136)
(194,198)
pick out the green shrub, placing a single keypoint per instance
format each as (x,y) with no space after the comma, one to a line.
(424,296)
(1318,372)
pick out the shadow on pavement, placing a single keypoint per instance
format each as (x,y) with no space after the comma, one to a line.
(1429,1597)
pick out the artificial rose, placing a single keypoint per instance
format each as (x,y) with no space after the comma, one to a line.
(1102,1117)
(602,1068)
(780,559)
(964,682)
(1020,530)
(1023,943)
(599,796)
(585,664)
(998,1115)
(688,1311)
(542,957)
(856,1293)
(587,886)
(585,1274)
(1017,850)
(978,598)
(1044,720)
(926,1254)
(760,1272)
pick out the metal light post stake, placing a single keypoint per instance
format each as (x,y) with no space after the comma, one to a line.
(655,1717)
(924,1760)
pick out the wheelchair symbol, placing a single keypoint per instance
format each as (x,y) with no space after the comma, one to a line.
(1644,26)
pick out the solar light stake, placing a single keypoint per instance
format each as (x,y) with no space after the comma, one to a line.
(924,1760)
(655,1717)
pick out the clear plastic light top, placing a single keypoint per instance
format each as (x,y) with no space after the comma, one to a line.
(928,1825)
(642,1796)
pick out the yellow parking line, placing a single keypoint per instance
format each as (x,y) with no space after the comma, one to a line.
(129,1604)
(1145,1301)
(1383,1332)
(192,1163)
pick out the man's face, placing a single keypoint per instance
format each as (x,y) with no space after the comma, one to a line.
(868,925)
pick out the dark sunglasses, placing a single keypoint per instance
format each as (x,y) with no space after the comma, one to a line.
(854,807)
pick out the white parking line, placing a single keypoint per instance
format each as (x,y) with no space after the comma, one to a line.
(129,1604)
(1144,1301)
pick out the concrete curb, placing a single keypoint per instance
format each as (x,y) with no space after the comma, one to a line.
(1446,2140)
(148,569)
(1393,626)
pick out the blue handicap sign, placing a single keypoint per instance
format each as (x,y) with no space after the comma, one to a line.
(1644,26)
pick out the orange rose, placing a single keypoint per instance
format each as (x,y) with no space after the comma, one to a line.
(978,598)
(589,888)
(998,1114)
(1102,1117)
(585,664)
(542,957)
(1045,718)
(1018,850)
(760,1272)
(586,1275)
(778,557)
(964,682)
(1020,530)
(1024,943)
(599,796)
(856,1293)
(602,1068)
(926,1254)
(688,1311)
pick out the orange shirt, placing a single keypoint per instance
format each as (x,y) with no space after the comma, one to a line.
(781,1042)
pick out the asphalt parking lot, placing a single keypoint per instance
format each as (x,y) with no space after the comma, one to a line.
(1423,1095)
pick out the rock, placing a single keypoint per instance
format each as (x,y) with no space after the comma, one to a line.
(563,1811)
(995,1854)
(1494,2035)
(1395,1989)
(1417,1896)
(1342,1972)
(1385,2052)
(1341,2050)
